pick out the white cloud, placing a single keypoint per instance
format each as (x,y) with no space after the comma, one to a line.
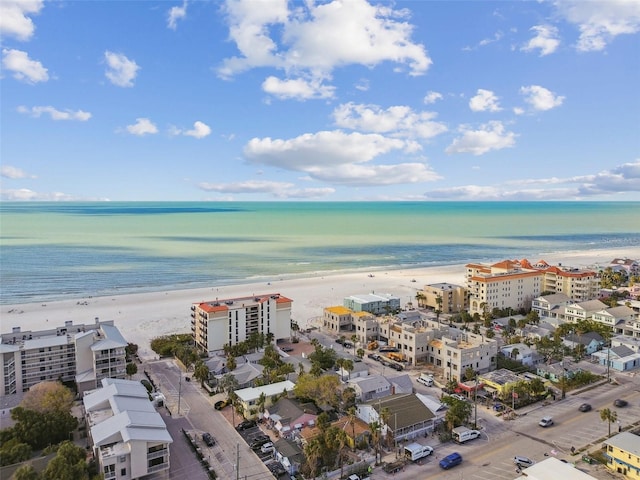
(518,110)
(25,69)
(600,22)
(621,179)
(24,194)
(120,70)
(54,113)
(14,17)
(484,101)
(546,40)
(199,130)
(317,38)
(432,97)
(485,41)
(7,171)
(297,88)
(540,98)
(175,14)
(143,126)
(490,136)
(400,121)
(276,189)
(339,158)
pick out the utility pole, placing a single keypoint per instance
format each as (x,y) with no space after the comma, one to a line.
(237,461)
(179,392)
(475,403)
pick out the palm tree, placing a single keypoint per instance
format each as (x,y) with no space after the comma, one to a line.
(201,372)
(374,428)
(439,308)
(385,415)
(354,340)
(348,366)
(262,400)
(420,297)
(607,415)
(352,421)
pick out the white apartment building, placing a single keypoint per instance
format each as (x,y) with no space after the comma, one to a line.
(231,321)
(373,303)
(86,353)
(129,438)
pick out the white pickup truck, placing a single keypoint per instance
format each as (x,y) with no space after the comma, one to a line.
(464,434)
(415,451)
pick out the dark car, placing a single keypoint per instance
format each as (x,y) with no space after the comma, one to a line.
(257,443)
(585,407)
(396,366)
(618,402)
(245,425)
(287,349)
(451,461)
(208,439)
(276,469)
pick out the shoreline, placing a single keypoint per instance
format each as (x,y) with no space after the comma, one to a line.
(143,316)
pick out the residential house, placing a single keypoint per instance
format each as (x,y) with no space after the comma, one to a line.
(556,371)
(620,357)
(627,265)
(553,468)
(623,454)
(521,353)
(289,454)
(550,306)
(619,318)
(250,397)
(288,414)
(217,323)
(582,311)
(499,381)
(371,387)
(537,332)
(591,341)
(360,369)
(400,383)
(129,438)
(409,418)
(357,431)
(337,320)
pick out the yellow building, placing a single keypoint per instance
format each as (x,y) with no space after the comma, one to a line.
(337,320)
(623,454)
(446,297)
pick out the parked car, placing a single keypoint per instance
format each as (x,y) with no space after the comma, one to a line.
(374,356)
(276,469)
(522,462)
(451,461)
(585,407)
(257,443)
(267,447)
(220,404)
(208,439)
(618,402)
(245,424)
(287,349)
(457,396)
(545,422)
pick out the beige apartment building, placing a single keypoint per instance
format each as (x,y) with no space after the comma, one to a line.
(446,297)
(447,349)
(218,323)
(515,284)
(84,353)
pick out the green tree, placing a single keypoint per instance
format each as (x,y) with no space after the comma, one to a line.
(536,387)
(609,416)
(132,369)
(30,425)
(458,413)
(325,358)
(231,363)
(14,451)
(469,373)
(26,472)
(68,464)
(229,384)
(201,372)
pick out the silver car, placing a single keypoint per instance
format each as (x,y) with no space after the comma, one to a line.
(522,462)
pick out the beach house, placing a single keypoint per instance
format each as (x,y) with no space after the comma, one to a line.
(129,438)
(623,454)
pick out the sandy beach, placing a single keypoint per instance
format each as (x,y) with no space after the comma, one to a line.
(141,317)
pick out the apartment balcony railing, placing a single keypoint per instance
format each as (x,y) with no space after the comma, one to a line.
(157,454)
(158,468)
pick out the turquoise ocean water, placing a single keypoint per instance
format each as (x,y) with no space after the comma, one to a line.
(51,251)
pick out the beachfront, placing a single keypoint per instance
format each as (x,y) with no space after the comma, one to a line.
(141,317)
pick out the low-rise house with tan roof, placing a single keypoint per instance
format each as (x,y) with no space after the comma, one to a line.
(409,418)
(583,310)
(621,319)
(550,306)
(217,323)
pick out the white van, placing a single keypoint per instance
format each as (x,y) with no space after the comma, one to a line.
(464,434)
(425,379)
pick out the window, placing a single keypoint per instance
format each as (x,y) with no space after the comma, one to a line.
(123,472)
(122,458)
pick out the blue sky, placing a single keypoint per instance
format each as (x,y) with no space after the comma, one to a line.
(320,101)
